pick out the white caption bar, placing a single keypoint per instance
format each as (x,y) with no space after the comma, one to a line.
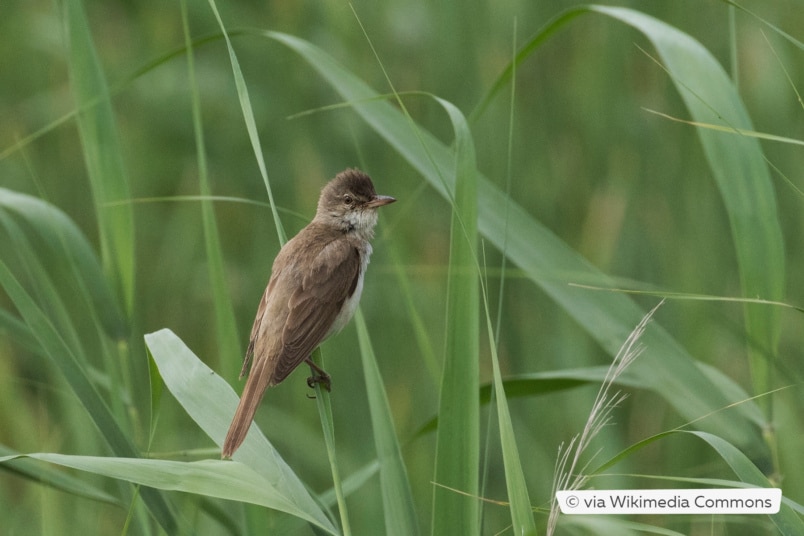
(671,501)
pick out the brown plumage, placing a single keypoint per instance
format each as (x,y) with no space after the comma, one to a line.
(315,285)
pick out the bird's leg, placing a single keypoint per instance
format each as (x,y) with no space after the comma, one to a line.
(320,376)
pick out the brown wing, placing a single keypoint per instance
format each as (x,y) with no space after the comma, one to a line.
(255,329)
(316,304)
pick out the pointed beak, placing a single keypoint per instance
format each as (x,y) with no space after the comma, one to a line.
(380,200)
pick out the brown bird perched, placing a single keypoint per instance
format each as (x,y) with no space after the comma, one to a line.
(315,286)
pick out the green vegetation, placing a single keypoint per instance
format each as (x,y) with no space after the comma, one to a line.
(559,172)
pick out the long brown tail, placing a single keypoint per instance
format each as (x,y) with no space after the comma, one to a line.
(252,395)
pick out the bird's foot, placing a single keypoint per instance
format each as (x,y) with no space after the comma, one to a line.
(323,379)
(319,376)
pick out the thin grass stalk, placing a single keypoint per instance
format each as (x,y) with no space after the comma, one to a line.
(324,405)
(504,260)
(102,153)
(519,499)
(225,327)
(251,124)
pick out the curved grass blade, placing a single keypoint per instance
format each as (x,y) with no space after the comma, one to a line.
(18,331)
(554,381)
(521,512)
(776,29)
(212,478)
(66,241)
(17,463)
(397,498)
(786,521)
(458,436)
(102,153)
(324,406)
(31,268)
(729,129)
(251,124)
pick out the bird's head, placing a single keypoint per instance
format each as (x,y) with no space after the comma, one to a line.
(350,202)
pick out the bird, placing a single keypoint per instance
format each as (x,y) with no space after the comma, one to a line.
(314,289)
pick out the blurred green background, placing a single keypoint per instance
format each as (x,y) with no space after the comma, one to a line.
(627,189)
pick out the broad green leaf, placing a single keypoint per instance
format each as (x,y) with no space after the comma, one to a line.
(57,479)
(211,403)
(213,478)
(397,498)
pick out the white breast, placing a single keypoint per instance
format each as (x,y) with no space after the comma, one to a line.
(350,306)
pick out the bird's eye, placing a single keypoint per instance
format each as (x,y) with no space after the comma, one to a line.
(348,199)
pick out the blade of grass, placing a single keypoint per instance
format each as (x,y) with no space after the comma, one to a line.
(729,129)
(15,462)
(16,330)
(324,405)
(73,291)
(41,283)
(102,153)
(521,513)
(543,383)
(776,29)
(225,327)
(108,181)
(458,436)
(620,527)
(251,124)
(397,498)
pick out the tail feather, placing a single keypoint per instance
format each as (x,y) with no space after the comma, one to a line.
(256,384)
